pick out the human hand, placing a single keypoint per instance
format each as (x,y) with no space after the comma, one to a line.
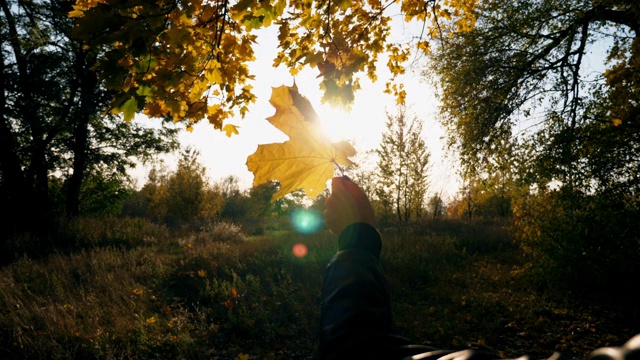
(346,205)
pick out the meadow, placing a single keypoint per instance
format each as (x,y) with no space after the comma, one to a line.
(128,289)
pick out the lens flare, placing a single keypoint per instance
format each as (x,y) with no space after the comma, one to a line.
(306,221)
(300,250)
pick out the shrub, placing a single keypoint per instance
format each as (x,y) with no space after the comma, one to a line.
(583,243)
(221,232)
(85,232)
(482,236)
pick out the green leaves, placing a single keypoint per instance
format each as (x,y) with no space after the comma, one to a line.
(128,109)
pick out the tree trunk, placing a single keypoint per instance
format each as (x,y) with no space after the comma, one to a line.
(88,84)
(13,185)
(26,187)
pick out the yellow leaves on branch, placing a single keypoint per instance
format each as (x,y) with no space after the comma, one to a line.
(305,161)
(189,60)
(81,6)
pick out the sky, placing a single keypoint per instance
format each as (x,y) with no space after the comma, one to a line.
(363,125)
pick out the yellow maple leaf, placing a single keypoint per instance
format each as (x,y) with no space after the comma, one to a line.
(230,129)
(305,161)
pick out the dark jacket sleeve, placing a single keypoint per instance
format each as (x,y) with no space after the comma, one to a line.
(356,318)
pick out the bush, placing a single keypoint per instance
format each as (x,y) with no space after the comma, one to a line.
(482,236)
(86,232)
(221,232)
(583,243)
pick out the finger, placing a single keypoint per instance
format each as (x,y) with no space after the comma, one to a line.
(351,191)
(338,183)
(344,186)
(332,217)
(329,205)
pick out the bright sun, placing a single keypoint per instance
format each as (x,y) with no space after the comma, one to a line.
(335,123)
(363,125)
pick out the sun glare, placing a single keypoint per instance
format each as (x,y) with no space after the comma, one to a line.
(363,125)
(336,123)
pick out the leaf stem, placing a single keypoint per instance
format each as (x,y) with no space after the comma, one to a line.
(339,168)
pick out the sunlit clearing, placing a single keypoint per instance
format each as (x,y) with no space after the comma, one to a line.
(300,250)
(306,221)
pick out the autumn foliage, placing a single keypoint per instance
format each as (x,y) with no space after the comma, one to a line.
(189,60)
(308,159)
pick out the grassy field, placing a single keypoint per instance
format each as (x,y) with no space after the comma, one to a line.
(137,291)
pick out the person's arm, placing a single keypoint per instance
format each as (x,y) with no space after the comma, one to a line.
(355,314)
(356,318)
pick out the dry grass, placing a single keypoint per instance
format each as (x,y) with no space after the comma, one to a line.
(212,294)
(220,294)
